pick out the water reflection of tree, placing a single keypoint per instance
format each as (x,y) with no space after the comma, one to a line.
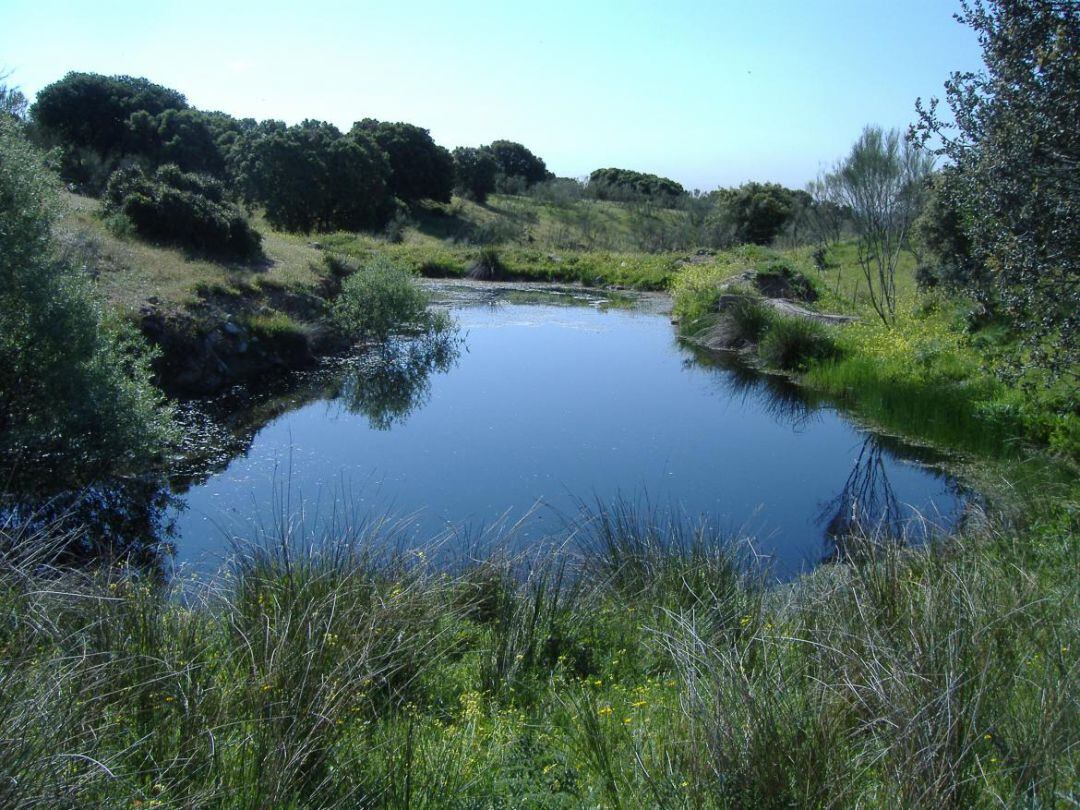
(773,394)
(127,521)
(389,384)
(867,506)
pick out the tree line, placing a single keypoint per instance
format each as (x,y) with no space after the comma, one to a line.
(309,176)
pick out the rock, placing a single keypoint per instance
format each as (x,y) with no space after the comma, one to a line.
(231,328)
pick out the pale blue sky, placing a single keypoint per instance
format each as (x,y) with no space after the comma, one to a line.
(709,93)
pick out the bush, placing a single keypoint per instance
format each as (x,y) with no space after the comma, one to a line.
(378,299)
(629,186)
(183,209)
(75,392)
(791,343)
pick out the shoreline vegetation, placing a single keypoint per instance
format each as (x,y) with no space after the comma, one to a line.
(644,660)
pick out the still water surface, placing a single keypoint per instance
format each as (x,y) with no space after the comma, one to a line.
(541,407)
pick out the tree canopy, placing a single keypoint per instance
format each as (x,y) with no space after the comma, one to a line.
(629,185)
(1014,147)
(420,169)
(516,161)
(756,212)
(311,177)
(475,170)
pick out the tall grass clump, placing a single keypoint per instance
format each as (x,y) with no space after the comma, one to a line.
(792,343)
(487,266)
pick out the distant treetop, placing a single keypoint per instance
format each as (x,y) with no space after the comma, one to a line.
(628,185)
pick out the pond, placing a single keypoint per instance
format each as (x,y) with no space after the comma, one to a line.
(545,402)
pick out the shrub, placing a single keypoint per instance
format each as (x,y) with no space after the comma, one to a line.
(183,209)
(791,343)
(280,334)
(378,299)
(75,389)
(777,279)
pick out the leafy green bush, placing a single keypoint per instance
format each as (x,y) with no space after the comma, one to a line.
(75,391)
(420,169)
(631,186)
(184,209)
(378,299)
(792,343)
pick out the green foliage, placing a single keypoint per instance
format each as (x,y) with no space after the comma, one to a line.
(180,137)
(630,186)
(756,212)
(75,391)
(378,299)
(1015,147)
(420,169)
(311,177)
(98,120)
(940,231)
(91,110)
(13,103)
(280,334)
(649,669)
(182,209)
(474,172)
(487,266)
(515,161)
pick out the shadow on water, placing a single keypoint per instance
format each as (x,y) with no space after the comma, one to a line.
(773,394)
(123,521)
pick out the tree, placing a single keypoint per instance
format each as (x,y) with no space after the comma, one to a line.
(180,137)
(420,169)
(631,186)
(757,212)
(75,392)
(474,172)
(13,103)
(1014,145)
(89,116)
(516,161)
(91,110)
(883,183)
(825,217)
(310,177)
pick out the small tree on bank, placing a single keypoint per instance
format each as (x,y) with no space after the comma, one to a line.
(883,184)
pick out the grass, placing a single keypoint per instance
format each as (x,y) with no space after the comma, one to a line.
(644,665)
(648,670)
(930,375)
(132,272)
